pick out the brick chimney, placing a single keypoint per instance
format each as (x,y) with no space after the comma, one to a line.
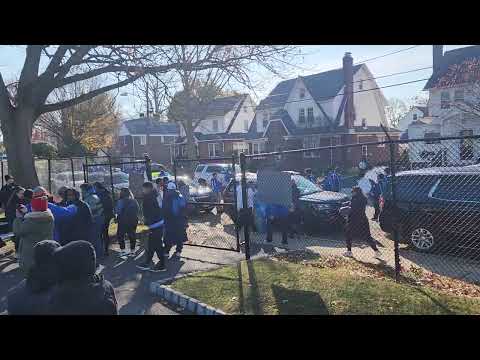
(349,115)
(437,57)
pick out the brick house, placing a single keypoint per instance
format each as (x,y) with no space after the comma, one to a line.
(134,141)
(341,106)
(223,131)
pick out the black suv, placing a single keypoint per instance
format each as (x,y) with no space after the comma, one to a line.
(437,208)
(319,209)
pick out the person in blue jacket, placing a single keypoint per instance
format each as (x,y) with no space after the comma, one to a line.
(332,181)
(61,215)
(174,206)
(217,188)
(309,175)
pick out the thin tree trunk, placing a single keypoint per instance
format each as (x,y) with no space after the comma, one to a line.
(18,143)
(191,152)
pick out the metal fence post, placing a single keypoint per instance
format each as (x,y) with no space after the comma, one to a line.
(111,178)
(394,203)
(245,204)
(148,167)
(85,170)
(235,199)
(73,171)
(175,170)
(2,172)
(49,165)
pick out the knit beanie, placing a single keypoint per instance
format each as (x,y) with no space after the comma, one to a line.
(39,203)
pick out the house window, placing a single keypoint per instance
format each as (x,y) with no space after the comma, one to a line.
(245,109)
(215,125)
(143,139)
(432,136)
(301,116)
(245,124)
(265,120)
(364,123)
(214,149)
(459,95)
(310,142)
(239,147)
(415,117)
(258,147)
(365,151)
(360,85)
(466,146)
(381,138)
(310,119)
(445,100)
(302,93)
(125,143)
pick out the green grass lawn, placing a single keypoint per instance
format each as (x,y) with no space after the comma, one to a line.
(282,286)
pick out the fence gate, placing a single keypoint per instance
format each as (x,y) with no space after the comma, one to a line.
(211,211)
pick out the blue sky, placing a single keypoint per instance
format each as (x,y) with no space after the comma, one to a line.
(317,58)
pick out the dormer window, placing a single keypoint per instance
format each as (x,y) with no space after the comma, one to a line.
(301,116)
(364,123)
(310,119)
(415,117)
(459,95)
(360,85)
(445,100)
(302,93)
(245,109)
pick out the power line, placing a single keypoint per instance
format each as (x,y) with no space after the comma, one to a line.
(393,74)
(388,54)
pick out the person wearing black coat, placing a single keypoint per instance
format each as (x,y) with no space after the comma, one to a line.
(7,190)
(32,296)
(357,224)
(80,291)
(108,213)
(80,226)
(174,207)
(153,218)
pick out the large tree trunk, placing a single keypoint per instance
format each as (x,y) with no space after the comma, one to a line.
(17,130)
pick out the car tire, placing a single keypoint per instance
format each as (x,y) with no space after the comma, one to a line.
(422,238)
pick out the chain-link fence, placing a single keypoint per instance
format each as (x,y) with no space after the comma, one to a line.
(406,204)
(209,187)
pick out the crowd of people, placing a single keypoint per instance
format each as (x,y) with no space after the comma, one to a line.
(59,241)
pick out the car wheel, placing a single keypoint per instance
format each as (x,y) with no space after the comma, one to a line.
(422,238)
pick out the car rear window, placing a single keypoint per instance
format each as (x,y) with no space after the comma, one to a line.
(413,188)
(458,188)
(215,168)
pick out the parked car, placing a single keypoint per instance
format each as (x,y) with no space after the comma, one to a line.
(319,209)
(200,193)
(437,208)
(224,172)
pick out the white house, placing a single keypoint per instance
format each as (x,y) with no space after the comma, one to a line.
(454,92)
(224,129)
(340,106)
(415,113)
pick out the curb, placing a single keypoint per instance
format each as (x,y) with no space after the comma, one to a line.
(183,301)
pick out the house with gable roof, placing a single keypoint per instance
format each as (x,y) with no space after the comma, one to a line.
(453,110)
(341,106)
(223,131)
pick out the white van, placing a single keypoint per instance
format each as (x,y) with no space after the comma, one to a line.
(205,171)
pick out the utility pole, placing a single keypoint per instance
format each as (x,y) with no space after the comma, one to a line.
(148,121)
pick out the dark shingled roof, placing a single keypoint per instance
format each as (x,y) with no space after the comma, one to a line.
(221,106)
(457,66)
(139,127)
(321,86)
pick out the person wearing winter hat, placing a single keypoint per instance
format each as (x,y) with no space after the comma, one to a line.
(32,295)
(62,216)
(80,291)
(80,226)
(31,228)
